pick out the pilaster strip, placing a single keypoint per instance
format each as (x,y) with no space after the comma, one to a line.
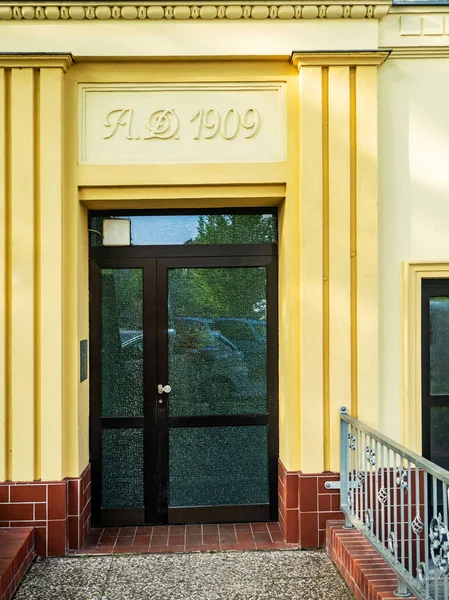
(3,277)
(50,262)
(22,271)
(339,254)
(367,243)
(326,274)
(311,267)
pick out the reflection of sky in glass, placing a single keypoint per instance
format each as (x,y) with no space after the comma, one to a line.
(154,230)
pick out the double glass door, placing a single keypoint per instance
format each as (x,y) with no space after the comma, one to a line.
(183,384)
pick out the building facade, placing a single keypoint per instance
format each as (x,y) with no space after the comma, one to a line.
(299,150)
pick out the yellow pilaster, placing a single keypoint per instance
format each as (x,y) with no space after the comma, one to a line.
(289,302)
(367,268)
(49,273)
(338,247)
(339,257)
(311,267)
(22,372)
(31,416)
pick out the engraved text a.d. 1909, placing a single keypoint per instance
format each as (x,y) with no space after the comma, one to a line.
(164,124)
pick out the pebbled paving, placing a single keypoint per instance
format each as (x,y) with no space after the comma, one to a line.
(254,575)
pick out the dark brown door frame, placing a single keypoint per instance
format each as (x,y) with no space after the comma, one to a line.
(155,261)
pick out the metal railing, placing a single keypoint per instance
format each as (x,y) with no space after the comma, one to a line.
(399,502)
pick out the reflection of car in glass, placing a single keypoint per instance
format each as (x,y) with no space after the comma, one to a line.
(200,358)
(250,337)
(203,355)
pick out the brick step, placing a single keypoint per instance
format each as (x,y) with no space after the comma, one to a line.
(367,574)
(17,552)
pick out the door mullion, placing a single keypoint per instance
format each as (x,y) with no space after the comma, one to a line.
(163,399)
(95,387)
(150,384)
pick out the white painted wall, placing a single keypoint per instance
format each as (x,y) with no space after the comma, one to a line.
(413,201)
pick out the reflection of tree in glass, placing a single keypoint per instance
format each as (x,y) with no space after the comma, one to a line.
(236,229)
(224,292)
(121,344)
(218,292)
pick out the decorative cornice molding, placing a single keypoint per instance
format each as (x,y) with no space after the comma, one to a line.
(181,11)
(36,61)
(342,58)
(420,52)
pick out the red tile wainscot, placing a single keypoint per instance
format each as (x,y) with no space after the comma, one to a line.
(305,505)
(59,511)
(364,570)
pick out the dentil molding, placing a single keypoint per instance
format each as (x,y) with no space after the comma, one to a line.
(181,11)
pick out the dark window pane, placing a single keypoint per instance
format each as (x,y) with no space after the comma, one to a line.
(439,345)
(121,342)
(439,436)
(217,362)
(147,230)
(122,482)
(218,465)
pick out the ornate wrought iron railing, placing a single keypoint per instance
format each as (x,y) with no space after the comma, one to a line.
(399,502)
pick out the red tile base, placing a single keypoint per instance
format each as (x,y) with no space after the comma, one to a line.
(185,538)
(59,511)
(16,555)
(305,506)
(364,570)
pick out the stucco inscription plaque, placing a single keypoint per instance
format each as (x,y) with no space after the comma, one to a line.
(181,123)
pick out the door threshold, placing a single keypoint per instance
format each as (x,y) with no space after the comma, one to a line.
(184,538)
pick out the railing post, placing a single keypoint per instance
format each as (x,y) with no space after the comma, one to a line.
(402,590)
(344,474)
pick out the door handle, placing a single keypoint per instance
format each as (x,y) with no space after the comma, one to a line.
(163,388)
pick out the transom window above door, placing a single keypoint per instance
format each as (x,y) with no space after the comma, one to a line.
(189,227)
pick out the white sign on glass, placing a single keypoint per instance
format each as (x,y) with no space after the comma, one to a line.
(182,123)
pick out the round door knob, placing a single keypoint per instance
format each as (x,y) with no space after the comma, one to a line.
(163,388)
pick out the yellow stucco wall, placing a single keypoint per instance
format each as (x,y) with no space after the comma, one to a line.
(326,192)
(413,219)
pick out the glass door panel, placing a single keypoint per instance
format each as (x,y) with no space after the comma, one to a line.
(215,466)
(118,386)
(218,407)
(122,468)
(217,359)
(121,342)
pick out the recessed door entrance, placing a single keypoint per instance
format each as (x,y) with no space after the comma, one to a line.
(183,383)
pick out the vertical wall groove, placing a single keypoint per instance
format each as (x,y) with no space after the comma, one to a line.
(353,245)
(326,274)
(37,278)
(8,277)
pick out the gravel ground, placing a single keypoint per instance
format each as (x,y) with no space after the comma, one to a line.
(255,575)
